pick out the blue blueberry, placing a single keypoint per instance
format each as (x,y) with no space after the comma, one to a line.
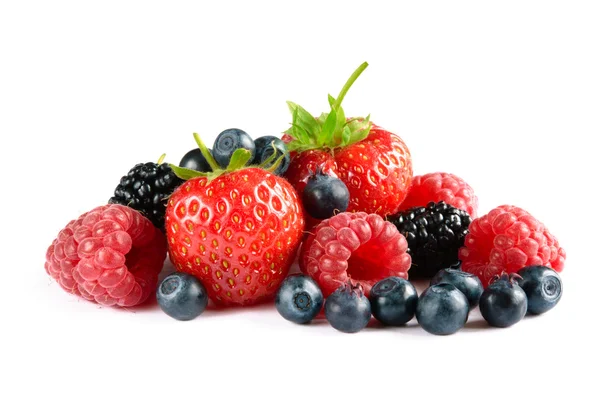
(347,309)
(264,150)
(299,299)
(182,296)
(543,288)
(503,303)
(467,283)
(228,142)
(194,159)
(393,301)
(442,309)
(325,195)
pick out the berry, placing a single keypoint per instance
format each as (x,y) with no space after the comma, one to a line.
(543,288)
(394,301)
(441,186)
(347,309)
(194,159)
(237,230)
(506,240)
(434,234)
(182,296)
(375,164)
(228,142)
(357,246)
(111,255)
(467,283)
(146,188)
(442,309)
(299,299)
(503,303)
(324,195)
(264,150)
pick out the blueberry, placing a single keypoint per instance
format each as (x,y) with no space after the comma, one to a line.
(542,286)
(264,149)
(325,195)
(503,303)
(182,296)
(467,283)
(394,301)
(228,142)
(194,159)
(442,309)
(347,309)
(299,299)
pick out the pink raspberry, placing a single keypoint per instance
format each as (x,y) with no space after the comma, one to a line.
(507,239)
(441,186)
(111,255)
(357,246)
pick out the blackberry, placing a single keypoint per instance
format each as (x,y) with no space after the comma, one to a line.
(146,189)
(434,234)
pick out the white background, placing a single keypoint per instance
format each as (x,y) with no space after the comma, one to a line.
(505,94)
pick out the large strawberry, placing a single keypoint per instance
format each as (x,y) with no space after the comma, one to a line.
(237,230)
(375,164)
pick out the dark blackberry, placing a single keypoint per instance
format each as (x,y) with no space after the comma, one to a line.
(146,189)
(434,234)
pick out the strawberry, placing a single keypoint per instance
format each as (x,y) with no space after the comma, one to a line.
(237,230)
(375,164)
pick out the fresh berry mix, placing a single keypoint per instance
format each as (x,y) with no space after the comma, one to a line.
(111,255)
(442,309)
(146,188)
(393,301)
(374,164)
(324,196)
(194,159)
(228,142)
(543,288)
(182,296)
(357,246)
(506,240)
(467,283)
(299,299)
(441,186)
(347,309)
(503,303)
(237,230)
(434,234)
(266,146)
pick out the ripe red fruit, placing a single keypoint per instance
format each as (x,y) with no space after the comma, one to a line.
(357,246)
(374,164)
(507,239)
(238,233)
(111,255)
(441,186)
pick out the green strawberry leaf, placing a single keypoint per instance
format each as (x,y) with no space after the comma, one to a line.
(346,133)
(328,129)
(331,100)
(186,173)
(239,159)
(303,123)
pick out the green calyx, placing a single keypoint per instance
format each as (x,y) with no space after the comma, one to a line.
(239,160)
(330,130)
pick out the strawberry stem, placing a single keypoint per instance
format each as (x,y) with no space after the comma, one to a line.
(349,82)
(207,156)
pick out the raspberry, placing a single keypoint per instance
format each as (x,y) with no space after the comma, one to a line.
(441,186)
(506,240)
(111,255)
(357,246)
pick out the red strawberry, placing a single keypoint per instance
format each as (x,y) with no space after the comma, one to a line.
(375,164)
(111,255)
(507,239)
(238,230)
(441,186)
(357,246)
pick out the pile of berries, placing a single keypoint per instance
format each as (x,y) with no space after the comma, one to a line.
(340,190)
